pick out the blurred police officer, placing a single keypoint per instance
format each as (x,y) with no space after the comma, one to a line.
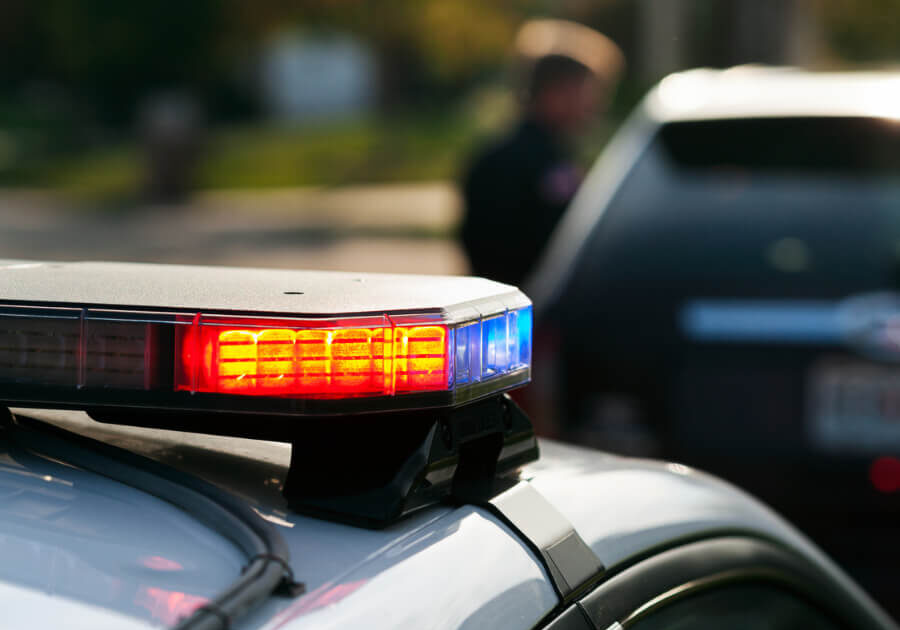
(517,188)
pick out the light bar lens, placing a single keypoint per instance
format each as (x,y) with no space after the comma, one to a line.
(181,357)
(494,346)
(35,349)
(255,358)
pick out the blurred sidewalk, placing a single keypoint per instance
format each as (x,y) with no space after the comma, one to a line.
(394,228)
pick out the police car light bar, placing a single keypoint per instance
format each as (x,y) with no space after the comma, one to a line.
(263,341)
(399,380)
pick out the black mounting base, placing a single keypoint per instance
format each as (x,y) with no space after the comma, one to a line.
(372,470)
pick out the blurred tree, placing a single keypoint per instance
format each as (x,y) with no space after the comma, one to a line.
(427,48)
(862,30)
(112,53)
(458,38)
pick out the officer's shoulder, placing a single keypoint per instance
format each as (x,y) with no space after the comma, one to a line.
(518,145)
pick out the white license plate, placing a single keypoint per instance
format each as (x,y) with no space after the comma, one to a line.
(854,406)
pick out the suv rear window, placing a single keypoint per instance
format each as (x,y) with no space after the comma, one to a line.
(765,208)
(842,145)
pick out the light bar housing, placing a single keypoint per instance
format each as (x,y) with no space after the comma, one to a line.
(113,335)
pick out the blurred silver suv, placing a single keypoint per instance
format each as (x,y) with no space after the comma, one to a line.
(723,292)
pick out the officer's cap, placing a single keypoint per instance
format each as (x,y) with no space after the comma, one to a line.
(541,38)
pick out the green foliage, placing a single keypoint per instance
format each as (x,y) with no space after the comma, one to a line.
(109,54)
(863,30)
(459,38)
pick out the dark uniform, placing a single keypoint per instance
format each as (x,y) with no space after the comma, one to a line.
(515,192)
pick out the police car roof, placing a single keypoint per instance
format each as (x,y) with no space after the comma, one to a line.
(442,566)
(313,293)
(764,92)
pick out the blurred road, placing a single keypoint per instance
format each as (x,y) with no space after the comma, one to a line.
(391,228)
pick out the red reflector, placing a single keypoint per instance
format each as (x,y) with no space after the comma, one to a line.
(159,563)
(884,473)
(168,606)
(266,358)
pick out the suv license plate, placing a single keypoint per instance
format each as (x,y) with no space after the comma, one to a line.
(854,406)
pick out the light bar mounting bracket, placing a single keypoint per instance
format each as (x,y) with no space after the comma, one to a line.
(370,473)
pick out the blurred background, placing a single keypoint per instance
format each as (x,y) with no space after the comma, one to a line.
(333,134)
(326,134)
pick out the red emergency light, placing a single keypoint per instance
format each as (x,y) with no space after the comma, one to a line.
(339,358)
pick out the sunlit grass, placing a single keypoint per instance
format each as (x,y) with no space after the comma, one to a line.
(362,150)
(414,146)
(110,174)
